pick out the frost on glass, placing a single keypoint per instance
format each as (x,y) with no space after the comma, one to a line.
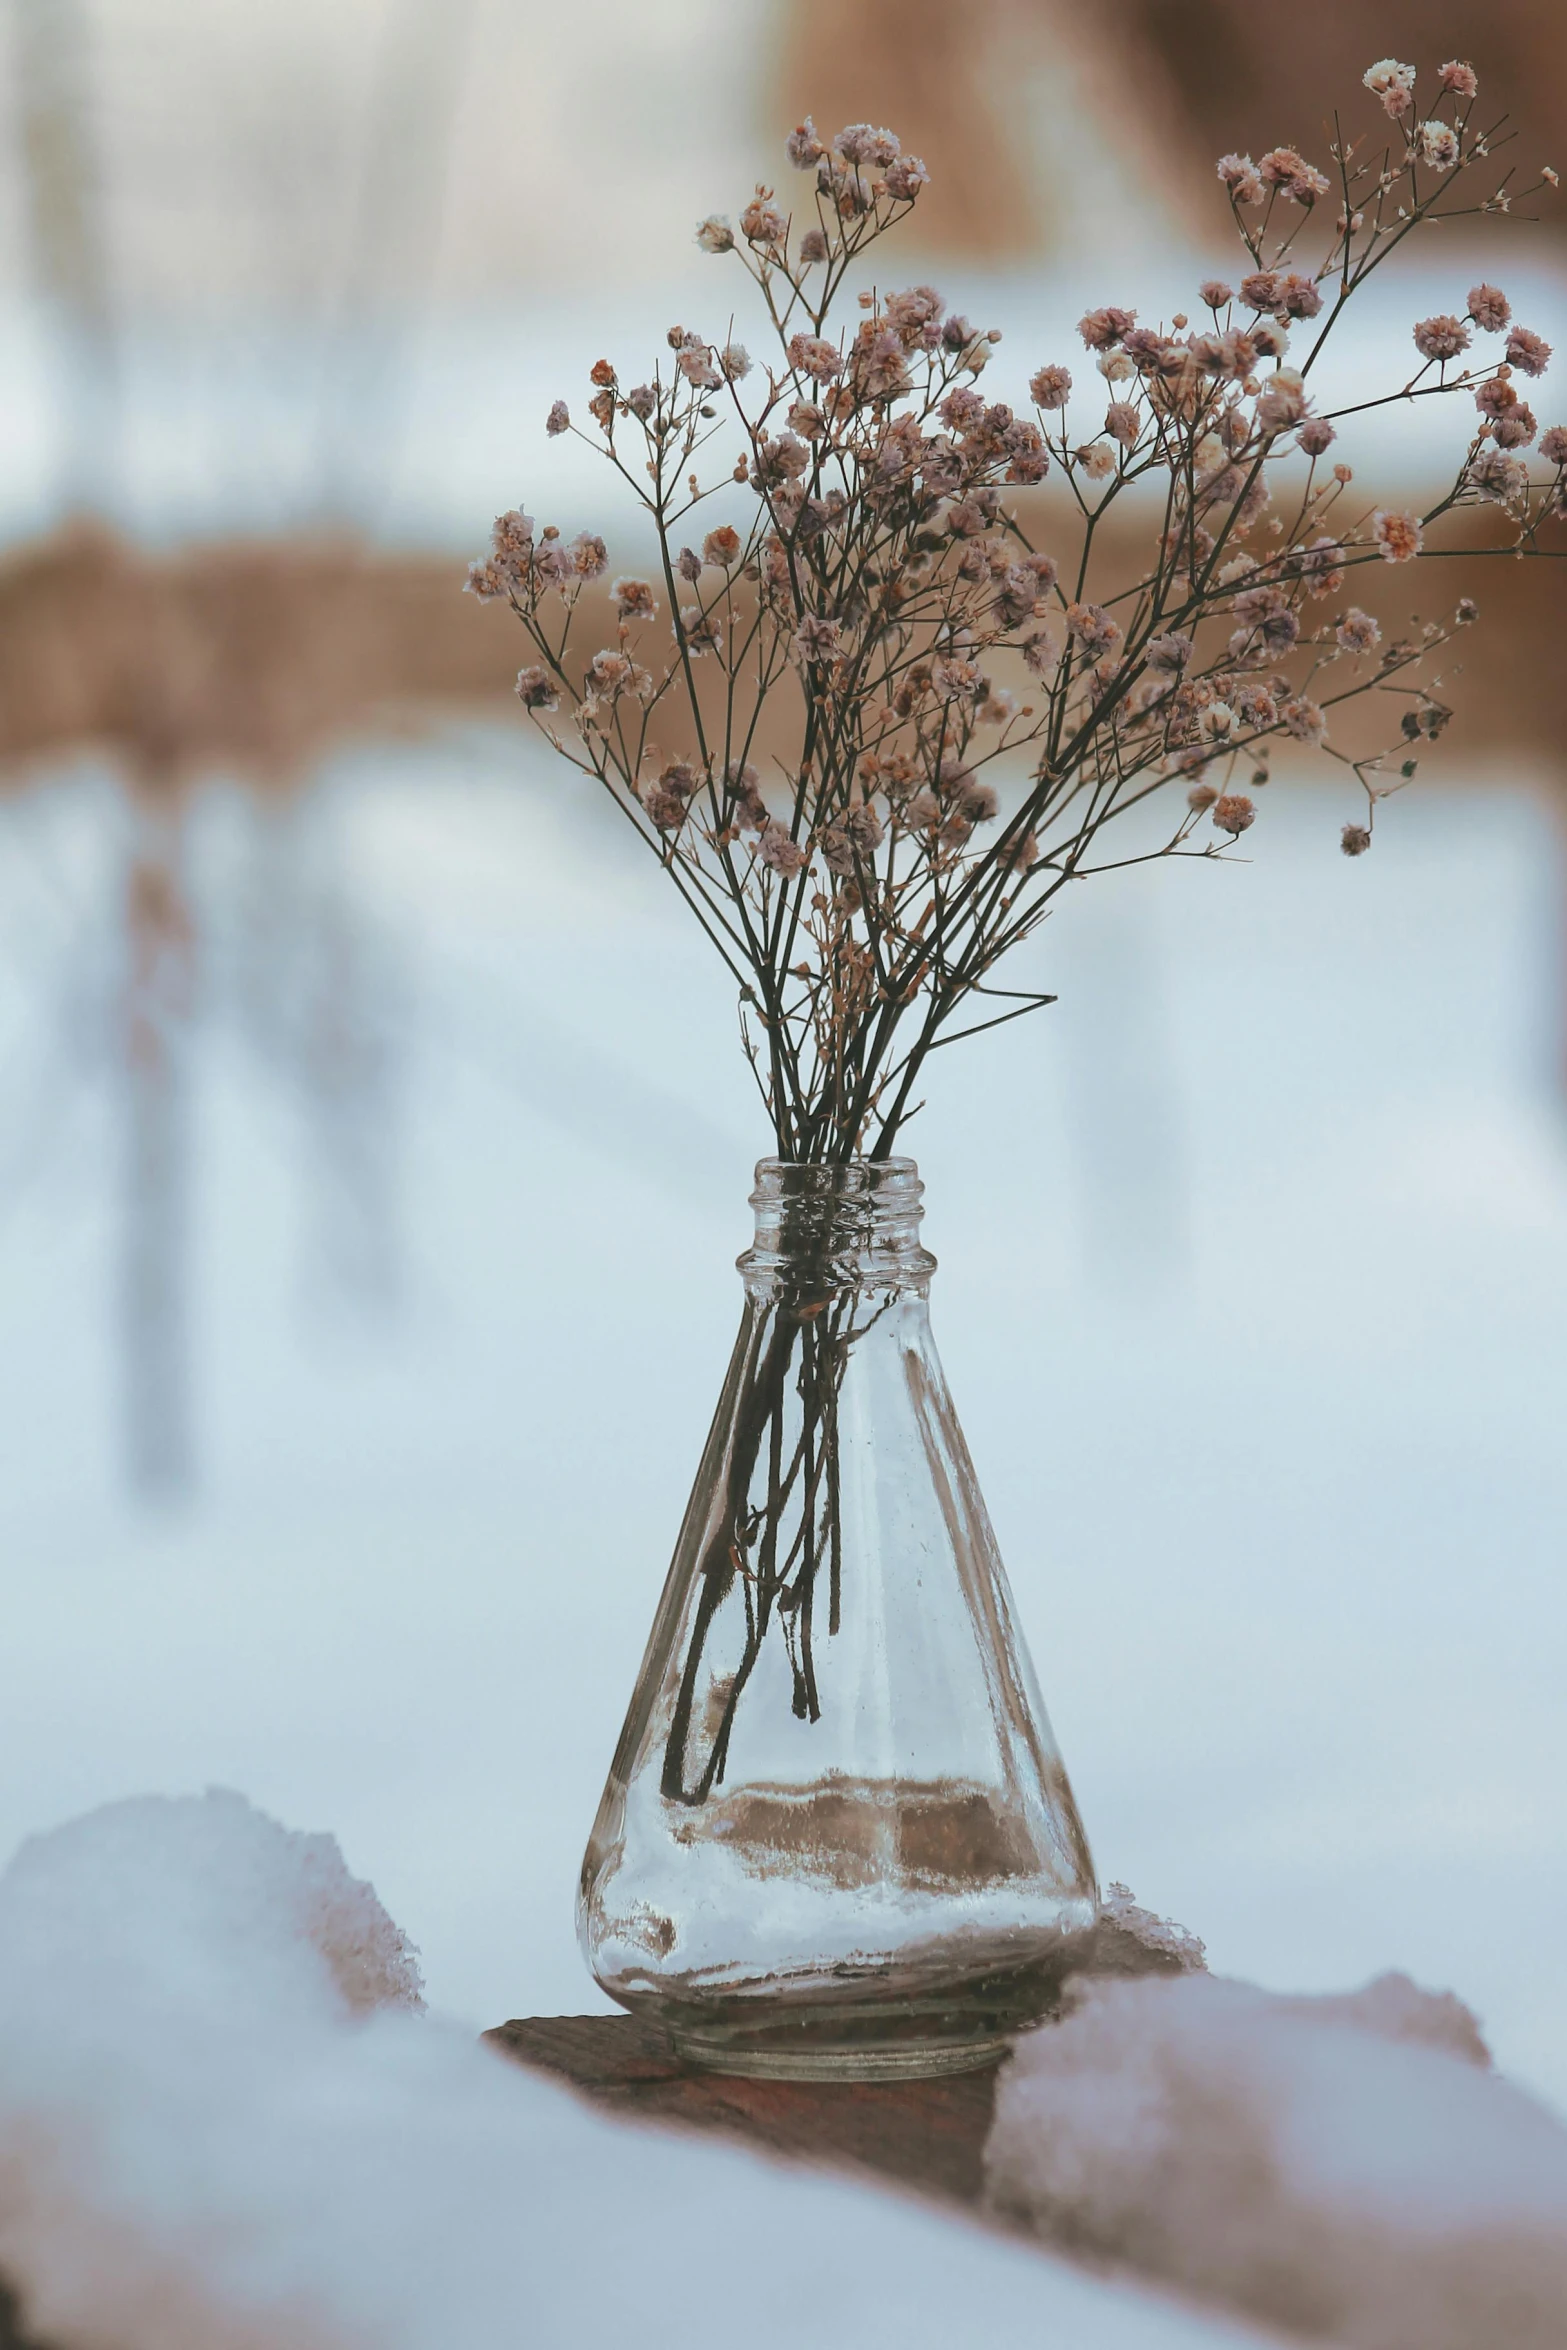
(837,1834)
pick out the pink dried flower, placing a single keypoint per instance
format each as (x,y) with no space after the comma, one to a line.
(721,547)
(1441,337)
(1260,290)
(1282,401)
(589,555)
(487,580)
(1048,388)
(915,316)
(1288,171)
(1304,719)
(905,177)
(1316,436)
(861,142)
(813,246)
(1241,176)
(698,369)
(1041,652)
(1354,840)
(1357,632)
(1436,144)
(1299,296)
(642,401)
(776,849)
(1527,352)
(1234,813)
(1029,458)
(1097,460)
(817,639)
(1497,476)
(1271,339)
(977,803)
(512,536)
(815,357)
(633,599)
(1215,292)
(558,419)
(879,363)
(1553,445)
(1102,329)
(1393,84)
(714,234)
(762,223)
(1489,308)
(1495,396)
(1399,537)
(1517,428)
(1458,78)
(1122,423)
(803,148)
(1168,654)
(609,671)
(1022,854)
(1093,630)
(701,631)
(536,689)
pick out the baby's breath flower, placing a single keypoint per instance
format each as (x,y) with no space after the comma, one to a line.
(536,689)
(1299,296)
(1354,840)
(486,580)
(1466,612)
(1393,84)
(1260,289)
(1215,292)
(1241,176)
(1234,813)
(701,631)
(558,419)
(1496,476)
(1304,719)
(1436,144)
(632,599)
(1458,78)
(1168,653)
(1041,652)
(1489,308)
(1093,630)
(1270,340)
(1123,423)
(642,401)
(1357,632)
(1282,401)
(1517,428)
(812,246)
(1102,329)
(815,357)
(817,639)
(1097,460)
(1553,445)
(1283,168)
(1441,337)
(1527,352)
(1316,436)
(589,555)
(735,360)
(762,223)
(721,547)
(1049,387)
(689,565)
(1495,396)
(776,849)
(803,148)
(1398,536)
(714,234)
(905,177)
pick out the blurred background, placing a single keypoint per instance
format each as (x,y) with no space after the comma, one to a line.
(373,1141)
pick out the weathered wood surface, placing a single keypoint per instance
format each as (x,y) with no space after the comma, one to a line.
(925,2135)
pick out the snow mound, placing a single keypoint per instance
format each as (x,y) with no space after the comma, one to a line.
(224,2125)
(1347,2167)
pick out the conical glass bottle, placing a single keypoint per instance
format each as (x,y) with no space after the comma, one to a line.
(837,1836)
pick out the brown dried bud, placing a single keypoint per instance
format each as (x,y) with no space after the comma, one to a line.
(1354,840)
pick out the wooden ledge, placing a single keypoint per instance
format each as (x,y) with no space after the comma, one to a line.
(925,2135)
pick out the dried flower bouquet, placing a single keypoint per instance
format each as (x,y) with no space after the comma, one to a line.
(954,714)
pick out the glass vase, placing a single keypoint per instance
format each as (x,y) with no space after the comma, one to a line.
(837,1837)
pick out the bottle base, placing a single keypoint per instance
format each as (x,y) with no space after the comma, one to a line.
(895,2060)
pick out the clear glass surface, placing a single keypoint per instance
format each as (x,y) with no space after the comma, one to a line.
(837,1834)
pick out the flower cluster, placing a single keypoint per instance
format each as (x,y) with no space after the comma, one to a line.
(871,725)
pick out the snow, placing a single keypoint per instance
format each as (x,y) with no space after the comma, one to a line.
(1345,2167)
(223,2119)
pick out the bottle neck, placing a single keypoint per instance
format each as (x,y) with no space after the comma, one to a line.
(823,1230)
